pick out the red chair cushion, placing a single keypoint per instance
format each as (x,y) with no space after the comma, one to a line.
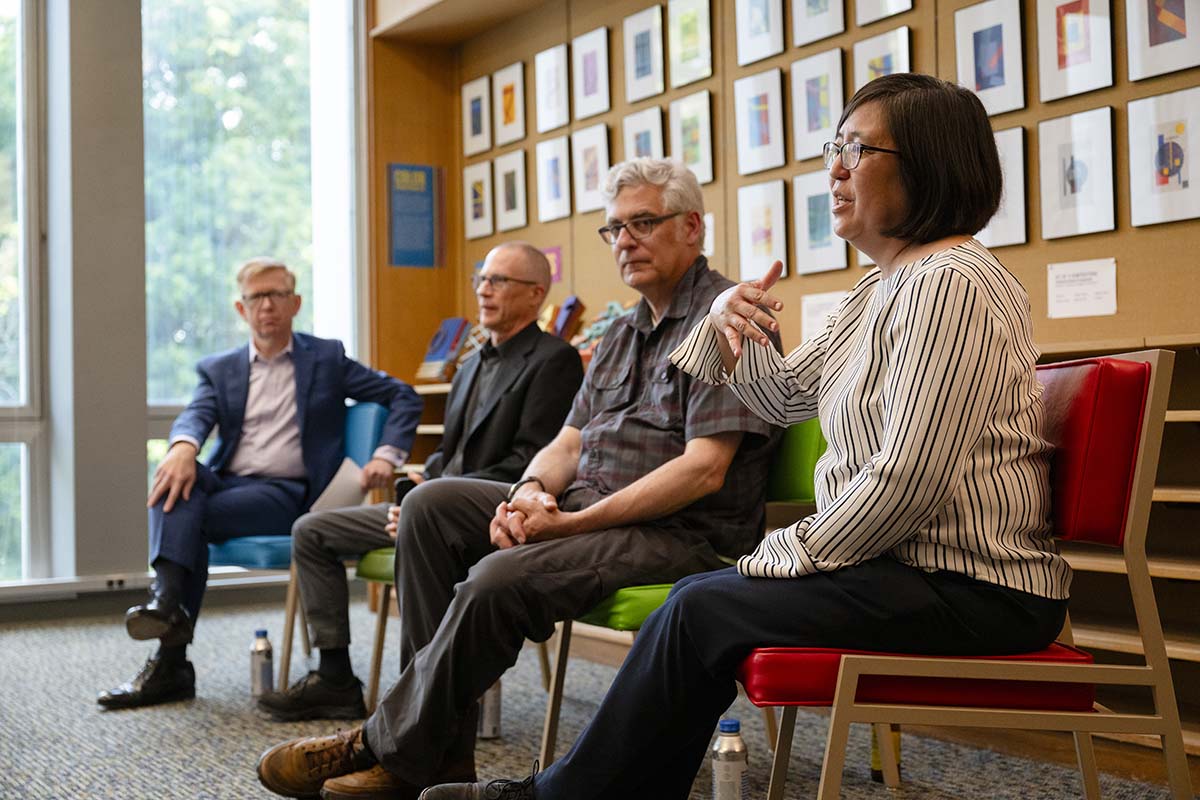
(1094,413)
(807,676)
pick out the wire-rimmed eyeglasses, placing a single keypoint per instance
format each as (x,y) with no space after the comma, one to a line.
(638,228)
(851,153)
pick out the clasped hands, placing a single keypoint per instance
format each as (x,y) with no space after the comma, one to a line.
(531,516)
(734,309)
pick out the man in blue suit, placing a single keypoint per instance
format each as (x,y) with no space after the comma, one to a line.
(280,406)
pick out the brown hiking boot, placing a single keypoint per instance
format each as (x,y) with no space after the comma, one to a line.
(299,767)
(375,783)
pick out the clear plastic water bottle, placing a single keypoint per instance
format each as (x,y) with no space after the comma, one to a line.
(730,763)
(262,665)
(489,713)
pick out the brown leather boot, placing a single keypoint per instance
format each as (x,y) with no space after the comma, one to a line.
(297,768)
(375,783)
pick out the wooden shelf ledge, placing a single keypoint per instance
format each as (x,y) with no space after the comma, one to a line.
(1186,569)
(1124,639)
(1183,415)
(431,388)
(1177,494)
(431,430)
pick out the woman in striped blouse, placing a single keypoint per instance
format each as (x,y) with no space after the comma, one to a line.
(932,531)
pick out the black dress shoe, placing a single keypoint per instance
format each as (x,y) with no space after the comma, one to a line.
(158,682)
(313,697)
(161,618)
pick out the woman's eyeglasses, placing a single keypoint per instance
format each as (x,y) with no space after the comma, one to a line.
(851,153)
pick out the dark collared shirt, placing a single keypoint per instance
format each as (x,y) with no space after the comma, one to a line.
(493,361)
(636,411)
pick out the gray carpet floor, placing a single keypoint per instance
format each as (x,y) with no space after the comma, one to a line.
(56,743)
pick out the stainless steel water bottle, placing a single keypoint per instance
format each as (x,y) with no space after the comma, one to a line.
(730,763)
(489,713)
(262,665)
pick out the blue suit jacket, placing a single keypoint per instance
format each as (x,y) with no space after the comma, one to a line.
(325,378)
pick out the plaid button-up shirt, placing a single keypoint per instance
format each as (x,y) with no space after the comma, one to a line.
(636,411)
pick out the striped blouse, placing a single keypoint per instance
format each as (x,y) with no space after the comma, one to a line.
(925,386)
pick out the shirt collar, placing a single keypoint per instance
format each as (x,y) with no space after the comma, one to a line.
(257,356)
(681,299)
(513,345)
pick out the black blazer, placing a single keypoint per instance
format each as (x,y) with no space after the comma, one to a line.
(526,409)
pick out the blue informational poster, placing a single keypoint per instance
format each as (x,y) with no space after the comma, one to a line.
(414,214)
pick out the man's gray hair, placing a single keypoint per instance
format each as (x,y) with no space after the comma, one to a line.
(261,264)
(680,189)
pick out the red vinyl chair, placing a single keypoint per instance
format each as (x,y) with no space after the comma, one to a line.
(1105,418)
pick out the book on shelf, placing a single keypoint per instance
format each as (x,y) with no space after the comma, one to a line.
(442,354)
(569,318)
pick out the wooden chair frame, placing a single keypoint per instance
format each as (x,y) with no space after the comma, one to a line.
(1163,722)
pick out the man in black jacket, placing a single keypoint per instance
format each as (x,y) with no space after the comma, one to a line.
(506,402)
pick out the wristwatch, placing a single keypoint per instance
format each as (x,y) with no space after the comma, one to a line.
(512,490)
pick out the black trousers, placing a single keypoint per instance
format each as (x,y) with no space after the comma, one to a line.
(652,731)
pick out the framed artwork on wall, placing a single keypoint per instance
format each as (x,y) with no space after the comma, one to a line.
(762,229)
(1007,225)
(589,157)
(1075,155)
(510,191)
(813,20)
(880,55)
(550,86)
(643,134)
(1074,47)
(477,200)
(689,41)
(758,101)
(818,248)
(476,116)
(508,103)
(643,54)
(1161,36)
(816,102)
(1164,138)
(759,29)
(691,134)
(589,73)
(988,45)
(815,310)
(868,11)
(553,179)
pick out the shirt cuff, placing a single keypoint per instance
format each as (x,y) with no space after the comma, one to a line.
(392,454)
(699,355)
(183,437)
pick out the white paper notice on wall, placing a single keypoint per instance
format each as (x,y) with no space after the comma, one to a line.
(710,235)
(815,310)
(1082,288)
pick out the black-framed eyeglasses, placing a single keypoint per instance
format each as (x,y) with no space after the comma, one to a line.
(276,295)
(851,153)
(498,282)
(638,228)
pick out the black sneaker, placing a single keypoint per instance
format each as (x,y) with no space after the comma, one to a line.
(313,697)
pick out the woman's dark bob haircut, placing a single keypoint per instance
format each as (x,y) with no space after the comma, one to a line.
(949,166)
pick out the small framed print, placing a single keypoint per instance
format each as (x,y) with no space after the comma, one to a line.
(1007,225)
(762,229)
(689,41)
(988,45)
(759,29)
(1161,36)
(553,179)
(643,54)
(589,156)
(1164,137)
(1075,156)
(880,55)
(477,200)
(813,20)
(868,11)
(550,86)
(643,134)
(589,67)
(508,101)
(691,134)
(758,101)
(477,118)
(510,191)
(818,248)
(1074,47)
(816,102)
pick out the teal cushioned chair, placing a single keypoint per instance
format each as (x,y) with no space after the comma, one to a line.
(790,480)
(364,426)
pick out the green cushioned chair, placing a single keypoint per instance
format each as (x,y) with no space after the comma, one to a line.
(790,480)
